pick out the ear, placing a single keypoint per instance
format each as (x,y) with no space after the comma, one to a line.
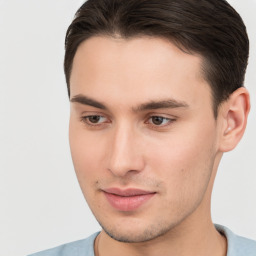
(233,114)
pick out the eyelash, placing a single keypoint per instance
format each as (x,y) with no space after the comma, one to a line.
(85,119)
(168,121)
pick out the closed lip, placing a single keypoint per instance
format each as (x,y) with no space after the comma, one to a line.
(127,192)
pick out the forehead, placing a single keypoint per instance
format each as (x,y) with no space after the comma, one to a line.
(129,69)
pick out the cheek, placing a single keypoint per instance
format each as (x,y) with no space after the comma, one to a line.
(86,155)
(184,162)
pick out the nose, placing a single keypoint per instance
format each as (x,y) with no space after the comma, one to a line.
(125,154)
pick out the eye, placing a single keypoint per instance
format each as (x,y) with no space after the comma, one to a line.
(159,121)
(94,119)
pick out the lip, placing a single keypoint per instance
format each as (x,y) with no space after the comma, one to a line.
(128,199)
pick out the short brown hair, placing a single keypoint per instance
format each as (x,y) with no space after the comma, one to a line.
(210,28)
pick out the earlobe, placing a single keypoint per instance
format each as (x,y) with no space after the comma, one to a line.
(234,113)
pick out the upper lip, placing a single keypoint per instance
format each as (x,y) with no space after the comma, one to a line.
(127,192)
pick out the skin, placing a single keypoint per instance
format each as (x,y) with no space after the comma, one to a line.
(121,145)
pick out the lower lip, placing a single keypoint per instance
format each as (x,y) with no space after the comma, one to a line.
(127,203)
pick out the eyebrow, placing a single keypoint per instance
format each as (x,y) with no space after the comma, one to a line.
(151,105)
(82,99)
(168,103)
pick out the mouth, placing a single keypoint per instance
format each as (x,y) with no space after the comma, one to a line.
(127,200)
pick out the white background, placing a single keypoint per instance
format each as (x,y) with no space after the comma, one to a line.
(41,205)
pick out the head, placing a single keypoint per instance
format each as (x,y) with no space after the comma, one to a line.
(156,91)
(209,28)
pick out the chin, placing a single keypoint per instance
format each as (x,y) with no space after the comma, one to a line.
(137,233)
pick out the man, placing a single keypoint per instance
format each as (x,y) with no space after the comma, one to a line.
(157,97)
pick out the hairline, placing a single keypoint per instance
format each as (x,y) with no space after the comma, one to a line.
(203,66)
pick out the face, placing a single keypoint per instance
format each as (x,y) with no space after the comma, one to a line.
(142,133)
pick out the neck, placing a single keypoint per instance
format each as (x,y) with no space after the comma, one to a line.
(184,240)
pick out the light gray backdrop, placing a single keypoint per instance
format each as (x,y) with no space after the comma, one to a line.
(41,205)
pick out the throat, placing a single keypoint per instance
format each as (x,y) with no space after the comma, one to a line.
(211,244)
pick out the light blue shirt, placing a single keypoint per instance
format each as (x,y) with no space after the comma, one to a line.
(237,246)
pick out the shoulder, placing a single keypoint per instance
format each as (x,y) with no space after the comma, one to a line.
(82,247)
(237,245)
